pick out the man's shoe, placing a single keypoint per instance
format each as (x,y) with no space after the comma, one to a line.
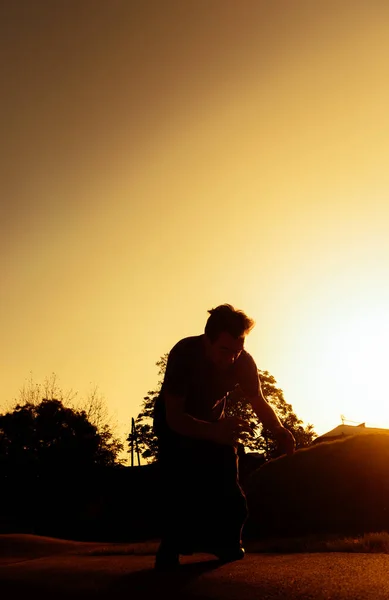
(226,555)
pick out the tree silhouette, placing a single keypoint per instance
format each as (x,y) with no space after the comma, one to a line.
(48,437)
(93,406)
(147,441)
(262,441)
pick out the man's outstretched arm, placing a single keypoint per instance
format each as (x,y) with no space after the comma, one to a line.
(269,419)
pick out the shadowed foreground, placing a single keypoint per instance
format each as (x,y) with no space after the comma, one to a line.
(44,568)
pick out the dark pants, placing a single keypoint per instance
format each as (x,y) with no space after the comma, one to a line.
(202,504)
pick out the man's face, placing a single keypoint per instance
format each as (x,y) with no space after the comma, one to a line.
(224,351)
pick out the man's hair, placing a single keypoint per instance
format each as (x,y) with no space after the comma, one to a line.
(227,318)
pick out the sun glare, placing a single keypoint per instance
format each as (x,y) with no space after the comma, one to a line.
(355,354)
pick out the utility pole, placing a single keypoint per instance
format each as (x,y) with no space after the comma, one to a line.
(134,443)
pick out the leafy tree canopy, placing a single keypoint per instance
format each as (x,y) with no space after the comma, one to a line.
(42,433)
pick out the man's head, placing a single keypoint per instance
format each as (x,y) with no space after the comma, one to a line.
(225,333)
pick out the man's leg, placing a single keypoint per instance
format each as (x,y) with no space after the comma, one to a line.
(235,506)
(203,506)
(176,504)
(167,555)
(227,507)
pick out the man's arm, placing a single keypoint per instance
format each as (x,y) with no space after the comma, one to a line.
(183,423)
(270,421)
(250,388)
(264,412)
(223,431)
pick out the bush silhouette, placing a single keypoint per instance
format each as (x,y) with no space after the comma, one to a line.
(338,487)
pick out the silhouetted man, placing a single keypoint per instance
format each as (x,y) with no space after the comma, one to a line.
(203,506)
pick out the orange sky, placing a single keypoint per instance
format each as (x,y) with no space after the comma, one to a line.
(159,160)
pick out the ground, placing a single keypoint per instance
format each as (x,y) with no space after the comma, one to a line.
(48,568)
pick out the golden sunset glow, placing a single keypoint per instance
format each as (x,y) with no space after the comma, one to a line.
(164,158)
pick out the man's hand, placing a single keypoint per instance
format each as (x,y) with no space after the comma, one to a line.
(284,439)
(227,431)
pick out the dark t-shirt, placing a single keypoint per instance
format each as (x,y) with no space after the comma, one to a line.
(189,373)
